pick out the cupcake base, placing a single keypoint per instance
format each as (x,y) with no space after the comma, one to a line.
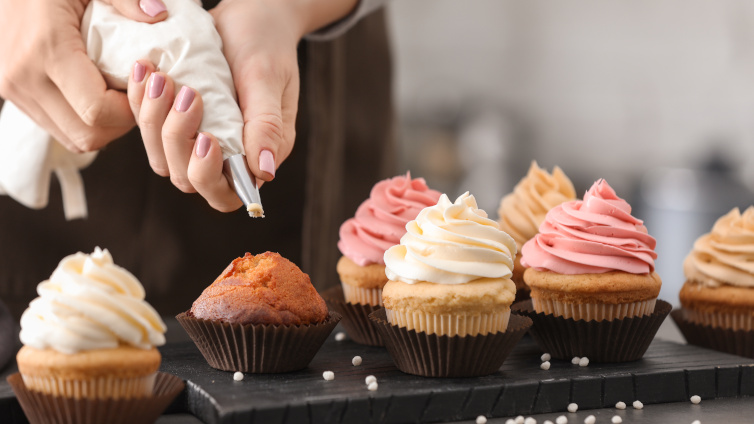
(450,325)
(430,355)
(45,408)
(593,312)
(619,340)
(362,295)
(257,348)
(736,342)
(355,317)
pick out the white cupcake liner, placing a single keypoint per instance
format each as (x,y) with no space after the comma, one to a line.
(361,295)
(721,320)
(594,311)
(450,325)
(96,388)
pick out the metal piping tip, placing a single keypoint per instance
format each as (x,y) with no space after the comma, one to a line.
(239,176)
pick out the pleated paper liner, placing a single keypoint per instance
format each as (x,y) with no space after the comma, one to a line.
(257,348)
(430,355)
(44,408)
(736,342)
(355,317)
(618,340)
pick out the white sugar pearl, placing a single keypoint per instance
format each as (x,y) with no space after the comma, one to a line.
(370,379)
(616,419)
(372,386)
(696,422)
(575,360)
(638,404)
(572,407)
(510,421)
(583,361)
(561,420)
(328,375)
(547,422)
(530,420)
(590,419)
(620,405)
(545,365)
(481,419)
(340,336)
(356,361)
(520,419)
(545,357)
(696,399)
(238,376)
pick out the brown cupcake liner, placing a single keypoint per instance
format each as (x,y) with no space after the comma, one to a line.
(44,408)
(441,356)
(355,317)
(736,342)
(618,340)
(257,348)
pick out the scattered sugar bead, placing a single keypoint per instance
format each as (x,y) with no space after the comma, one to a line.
(561,420)
(530,420)
(696,399)
(372,386)
(545,365)
(520,419)
(616,419)
(238,376)
(356,361)
(572,407)
(545,357)
(481,419)
(510,421)
(620,405)
(370,379)
(548,422)
(638,404)
(575,360)
(340,336)
(328,375)
(583,361)
(590,419)
(696,422)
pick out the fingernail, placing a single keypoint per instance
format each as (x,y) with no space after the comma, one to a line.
(203,143)
(185,97)
(152,7)
(156,84)
(267,162)
(139,72)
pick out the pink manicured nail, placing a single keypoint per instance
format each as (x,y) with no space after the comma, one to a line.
(156,84)
(203,143)
(267,162)
(139,72)
(185,97)
(152,7)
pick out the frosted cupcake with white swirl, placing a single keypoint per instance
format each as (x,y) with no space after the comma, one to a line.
(450,275)
(90,333)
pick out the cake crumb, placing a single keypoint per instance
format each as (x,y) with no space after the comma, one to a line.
(561,420)
(530,420)
(572,407)
(638,404)
(545,365)
(328,375)
(583,361)
(590,419)
(545,357)
(616,419)
(238,376)
(620,405)
(575,360)
(372,386)
(481,419)
(356,361)
(370,379)
(340,336)
(696,399)
(520,419)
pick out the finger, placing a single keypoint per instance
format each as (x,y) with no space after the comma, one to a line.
(33,110)
(155,107)
(179,133)
(137,83)
(150,11)
(205,171)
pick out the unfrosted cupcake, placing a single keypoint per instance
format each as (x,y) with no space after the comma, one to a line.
(90,334)
(379,223)
(522,211)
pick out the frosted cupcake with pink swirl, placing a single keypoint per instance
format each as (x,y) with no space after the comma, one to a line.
(592,260)
(379,224)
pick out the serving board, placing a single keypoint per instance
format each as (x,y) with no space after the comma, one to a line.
(669,372)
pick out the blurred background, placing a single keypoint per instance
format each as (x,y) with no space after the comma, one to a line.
(657,97)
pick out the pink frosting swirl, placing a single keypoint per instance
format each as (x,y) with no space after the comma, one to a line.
(380,221)
(592,236)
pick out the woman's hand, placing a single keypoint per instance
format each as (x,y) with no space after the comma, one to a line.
(45,70)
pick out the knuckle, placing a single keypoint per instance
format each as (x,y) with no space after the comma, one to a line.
(159,168)
(269,126)
(93,115)
(182,184)
(87,141)
(149,122)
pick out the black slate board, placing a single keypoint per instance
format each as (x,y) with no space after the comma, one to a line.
(669,372)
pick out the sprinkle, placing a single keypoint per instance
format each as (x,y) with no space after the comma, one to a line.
(590,419)
(340,336)
(545,365)
(370,379)
(561,420)
(372,386)
(530,420)
(328,375)
(238,376)
(638,404)
(520,419)
(481,419)
(583,361)
(616,419)
(575,360)
(696,399)
(572,407)
(620,405)
(356,361)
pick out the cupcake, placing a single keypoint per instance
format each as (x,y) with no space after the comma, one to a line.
(262,314)
(90,334)
(449,289)
(522,211)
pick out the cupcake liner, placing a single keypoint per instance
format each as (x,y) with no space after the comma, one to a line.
(257,348)
(430,355)
(355,317)
(736,342)
(719,320)
(592,311)
(450,325)
(618,340)
(44,408)
(106,387)
(361,295)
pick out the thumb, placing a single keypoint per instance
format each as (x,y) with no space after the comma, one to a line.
(150,11)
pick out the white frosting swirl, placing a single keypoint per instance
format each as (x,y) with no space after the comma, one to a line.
(451,243)
(90,303)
